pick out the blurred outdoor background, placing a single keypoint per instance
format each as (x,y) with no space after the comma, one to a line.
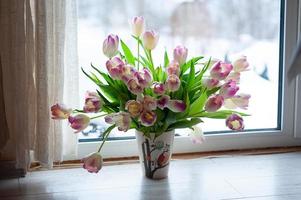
(222,29)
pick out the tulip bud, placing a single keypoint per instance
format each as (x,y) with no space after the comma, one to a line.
(238,101)
(163,101)
(173,68)
(210,83)
(110,45)
(115,67)
(228,89)
(173,83)
(241,64)
(176,105)
(149,103)
(79,122)
(148,118)
(234,76)
(159,88)
(60,111)
(235,122)
(180,54)
(150,39)
(134,108)
(220,70)
(93,163)
(144,78)
(214,103)
(137,25)
(92,102)
(128,73)
(197,135)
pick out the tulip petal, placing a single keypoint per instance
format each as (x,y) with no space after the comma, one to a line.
(176,105)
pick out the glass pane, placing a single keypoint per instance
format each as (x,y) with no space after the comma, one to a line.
(220,28)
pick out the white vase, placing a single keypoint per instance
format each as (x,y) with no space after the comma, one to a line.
(155,153)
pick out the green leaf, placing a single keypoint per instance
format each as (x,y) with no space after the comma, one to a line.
(222,114)
(185,123)
(127,53)
(191,77)
(166,59)
(198,104)
(193,61)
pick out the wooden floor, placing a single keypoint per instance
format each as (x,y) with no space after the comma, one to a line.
(256,177)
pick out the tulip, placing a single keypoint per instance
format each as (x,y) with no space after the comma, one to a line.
(148,118)
(180,54)
(128,73)
(60,111)
(121,119)
(144,78)
(234,76)
(228,89)
(134,87)
(220,70)
(214,103)
(173,83)
(197,135)
(150,39)
(163,102)
(115,67)
(235,122)
(79,122)
(137,25)
(110,45)
(238,101)
(92,102)
(241,64)
(210,83)
(173,68)
(159,88)
(93,163)
(149,103)
(134,108)
(176,105)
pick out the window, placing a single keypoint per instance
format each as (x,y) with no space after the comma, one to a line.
(222,28)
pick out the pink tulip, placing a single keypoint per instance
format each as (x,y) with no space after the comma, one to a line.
(134,87)
(144,78)
(121,119)
(79,122)
(162,102)
(235,122)
(228,89)
(134,108)
(92,102)
(238,101)
(159,88)
(197,135)
(93,163)
(60,111)
(110,45)
(173,68)
(176,105)
(148,118)
(137,25)
(234,76)
(149,103)
(128,73)
(180,54)
(210,83)
(173,83)
(220,70)
(150,39)
(241,64)
(214,103)
(115,67)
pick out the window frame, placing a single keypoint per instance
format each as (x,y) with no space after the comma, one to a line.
(288,132)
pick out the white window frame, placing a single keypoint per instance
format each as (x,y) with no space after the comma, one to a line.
(289,135)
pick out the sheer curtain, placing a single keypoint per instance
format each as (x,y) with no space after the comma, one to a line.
(39,68)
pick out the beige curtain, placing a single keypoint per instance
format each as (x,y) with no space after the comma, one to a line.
(39,68)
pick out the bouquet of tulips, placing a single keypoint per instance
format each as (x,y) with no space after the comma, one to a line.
(137,94)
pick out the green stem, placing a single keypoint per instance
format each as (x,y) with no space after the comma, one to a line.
(151,58)
(98,116)
(138,44)
(104,140)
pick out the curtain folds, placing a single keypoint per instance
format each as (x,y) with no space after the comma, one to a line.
(39,68)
